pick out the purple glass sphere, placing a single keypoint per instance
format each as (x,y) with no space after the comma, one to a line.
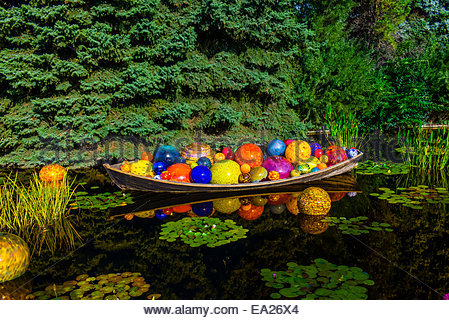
(279,164)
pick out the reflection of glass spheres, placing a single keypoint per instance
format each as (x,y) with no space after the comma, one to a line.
(203,209)
(14,257)
(313,224)
(249,153)
(225,172)
(227,205)
(166,154)
(336,196)
(250,212)
(17,289)
(314,201)
(292,205)
(197,150)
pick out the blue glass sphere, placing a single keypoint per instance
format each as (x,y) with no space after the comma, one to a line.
(160,215)
(159,167)
(167,154)
(201,174)
(204,161)
(314,169)
(352,153)
(276,148)
(203,209)
(314,146)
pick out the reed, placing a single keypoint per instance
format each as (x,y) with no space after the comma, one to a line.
(344,129)
(425,150)
(38,213)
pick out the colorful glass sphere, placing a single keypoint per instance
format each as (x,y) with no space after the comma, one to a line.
(278,164)
(160,215)
(168,211)
(297,151)
(126,166)
(165,175)
(197,150)
(142,168)
(245,178)
(252,214)
(14,256)
(167,154)
(273,175)
(315,169)
(313,224)
(321,166)
(180,172)
(193,165)
(352,153)
(225,172)
(277,208)
(318,153)
(288,141)
(295,173)
(201,174)
(258,201)
(52,173)
(182,209)
(147,155)
(228,153)
(159,167)
(203,209)
(336,196)
(204,161)
(227,205)
(245,168)
(303,168)
(314,201)
(249,153)
(324,159)
(336,155)
(314,146)
(219,156)
(258,174)
(277,198)
(276,147)
(292,205)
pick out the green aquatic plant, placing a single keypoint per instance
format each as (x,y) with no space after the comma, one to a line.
(413,197)
(38,213)
(320,280)
(358,225)
(203,231)
(113,286)
(428,152)
(101,201)
(344,129)
(370,167)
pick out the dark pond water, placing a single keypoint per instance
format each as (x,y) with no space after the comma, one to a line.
(410,262)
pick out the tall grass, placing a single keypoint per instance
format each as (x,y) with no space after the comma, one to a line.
(427,151)
(38,213)
(344,129)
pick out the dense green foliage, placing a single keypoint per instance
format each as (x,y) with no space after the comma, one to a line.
(75,73)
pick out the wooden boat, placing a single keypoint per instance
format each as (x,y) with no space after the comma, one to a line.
(129,181)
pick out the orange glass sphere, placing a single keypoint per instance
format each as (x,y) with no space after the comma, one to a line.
(292,205)
(219,156)
(146,156)
(321,166)
(273,175)
(182,209)
(179,172)
(249,154)
(277,199)
(52,173)
(336,196)
(245,168)
(129,216)
(126,166)
(298,151)
(252,214)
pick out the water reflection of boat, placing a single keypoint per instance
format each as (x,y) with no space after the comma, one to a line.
(129,181)
(154,201)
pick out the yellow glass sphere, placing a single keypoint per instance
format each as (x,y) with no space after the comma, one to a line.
(142,168)
(314,201)
(225,172)
(298,151)
(14,256)
(227,205)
